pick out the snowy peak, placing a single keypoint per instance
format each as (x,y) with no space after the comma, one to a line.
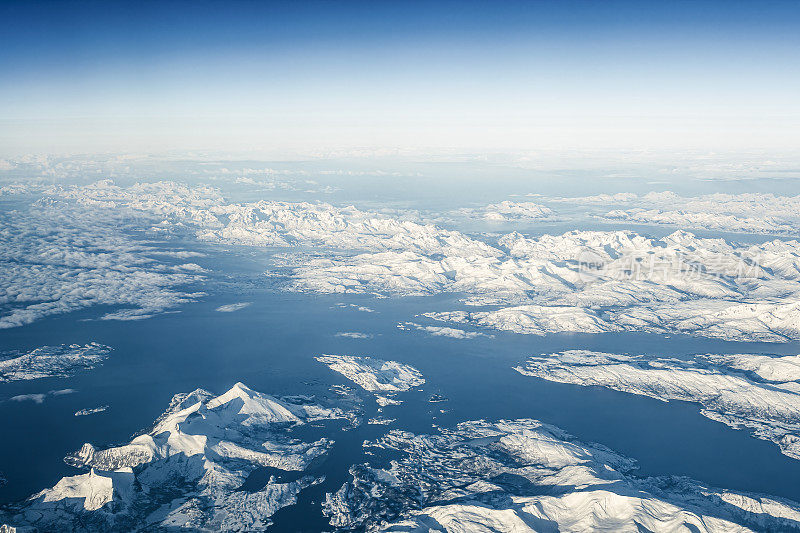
(256,407)
(189,468)
(95,489)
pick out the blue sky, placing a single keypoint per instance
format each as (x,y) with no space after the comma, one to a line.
(83,76)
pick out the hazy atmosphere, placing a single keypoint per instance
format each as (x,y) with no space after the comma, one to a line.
(100,76)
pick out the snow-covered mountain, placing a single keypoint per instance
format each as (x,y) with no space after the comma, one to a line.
(186,472)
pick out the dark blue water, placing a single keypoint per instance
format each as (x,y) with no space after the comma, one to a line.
(271,346)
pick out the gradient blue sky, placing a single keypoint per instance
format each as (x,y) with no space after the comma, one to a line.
(89,76)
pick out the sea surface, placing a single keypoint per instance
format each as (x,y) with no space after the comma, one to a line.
(271,345)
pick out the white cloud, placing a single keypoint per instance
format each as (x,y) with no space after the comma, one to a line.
(37,398)
(40,397)
(230,308)
(56,258)
(354,335)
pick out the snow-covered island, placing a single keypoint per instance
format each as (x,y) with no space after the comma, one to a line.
(758,392)
(522,475)
(587,281)
(51,361)
(385,378)
(186,472)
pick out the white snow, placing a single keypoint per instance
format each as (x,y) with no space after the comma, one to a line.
(51,361)
(753,391)
(58,257)
(441,331)
(522,475)
(188,469)
(507,210)
(91,411)
(580,281)
(741,213)
(759,213)
(380,421)
(374,375)
(383,401)
(95,489)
